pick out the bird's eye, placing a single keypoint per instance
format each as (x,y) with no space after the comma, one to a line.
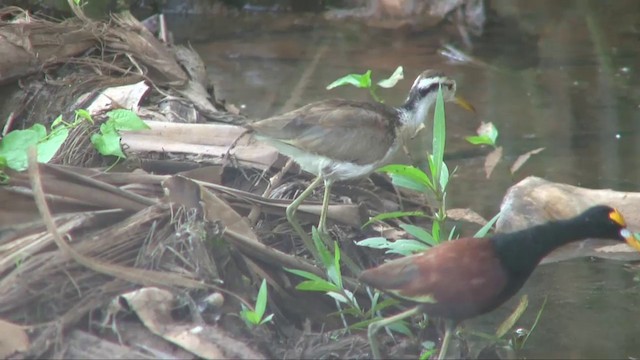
(449,86)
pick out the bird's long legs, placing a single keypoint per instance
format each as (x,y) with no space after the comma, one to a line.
(322,224)
(293,220)
(375,326)
(449,327)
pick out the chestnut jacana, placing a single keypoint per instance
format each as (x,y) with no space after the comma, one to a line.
(342,139)
(463,278)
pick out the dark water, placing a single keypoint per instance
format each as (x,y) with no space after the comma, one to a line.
(556,74)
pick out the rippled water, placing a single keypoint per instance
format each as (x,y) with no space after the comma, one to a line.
(559,75)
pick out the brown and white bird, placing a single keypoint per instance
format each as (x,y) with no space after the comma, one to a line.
(344,139)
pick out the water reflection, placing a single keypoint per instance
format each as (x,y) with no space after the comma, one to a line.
(559,75)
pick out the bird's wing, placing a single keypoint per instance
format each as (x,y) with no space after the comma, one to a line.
(343,130)
(460,272)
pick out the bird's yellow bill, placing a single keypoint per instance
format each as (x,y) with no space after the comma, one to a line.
(464,104)
(630,238)
(618,218)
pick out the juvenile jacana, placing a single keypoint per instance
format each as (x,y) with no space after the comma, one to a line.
(342,139)
(467,277)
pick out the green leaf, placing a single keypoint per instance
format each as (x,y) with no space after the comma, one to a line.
(408,176)
(362,81)
(406,247)
(317,285)
(305,274)
(124,119)
(419,233)
(435,232)
(325,256)
(479,140)
(439,135)
(267,319)
(400,327)
(392,80)
(400,246)
(82,114)
(485,229)
(487,135)
(48,148)
(107,142)
(374,243)
(14,146)
(339,297)
(261,300)
(393,215)
(336,265)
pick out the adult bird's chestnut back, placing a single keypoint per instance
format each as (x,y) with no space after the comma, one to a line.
(467,277)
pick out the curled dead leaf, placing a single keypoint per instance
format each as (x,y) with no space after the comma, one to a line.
(492,159)
(523,159)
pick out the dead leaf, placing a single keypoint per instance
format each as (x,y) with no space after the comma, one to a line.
(523,159)
(467,215)
(492,159)
(13,339)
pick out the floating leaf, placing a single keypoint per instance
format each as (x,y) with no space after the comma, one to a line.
(487,135)
(492,159)
(523,159)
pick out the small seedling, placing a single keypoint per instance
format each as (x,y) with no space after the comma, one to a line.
(256,317)
(107,141)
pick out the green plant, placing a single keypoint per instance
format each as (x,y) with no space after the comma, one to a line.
(363,81)
(487,135)
(107,141)
(256,316)
(14,146)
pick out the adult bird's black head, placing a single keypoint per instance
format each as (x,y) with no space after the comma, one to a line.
(464,278)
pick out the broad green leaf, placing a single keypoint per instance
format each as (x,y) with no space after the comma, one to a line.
(406,247)
(325,255)
(336,264)
(435,232)
(419,233)
(408,183)
(392,80)
(14,146)
(305,274)
(393,215)
(261,300)
(124,119)
(107,142)
(48,147)
(374,243)
(479,140)
(408,176)
(485,229)
(82,114)
(444,177)
(339,297)
(267,319)
(439,135)
(362,81)
(315,285)
(400,327)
